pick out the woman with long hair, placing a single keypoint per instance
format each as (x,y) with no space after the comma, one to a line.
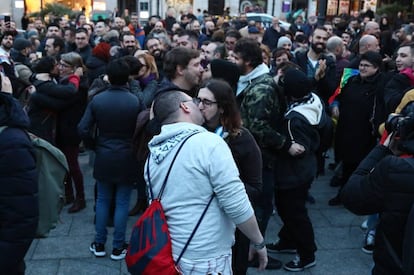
(218,105)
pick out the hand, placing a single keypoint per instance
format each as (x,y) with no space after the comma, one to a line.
(261,255)
(320,71)
(79,71)
(5,84)
(296,149)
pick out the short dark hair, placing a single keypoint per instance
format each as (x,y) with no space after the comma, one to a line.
(133,63)
(178,56)
(166,105)
(44,64)
(118,72)
(80,30)
(224,96)
(123,34)
(249,50)
(192,35)
(8,33)
(233,33)
(58,42)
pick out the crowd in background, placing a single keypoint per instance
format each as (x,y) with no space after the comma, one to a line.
(354,69)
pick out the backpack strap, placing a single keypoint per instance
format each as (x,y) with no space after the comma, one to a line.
(195,229)
(168,172)
(162,190)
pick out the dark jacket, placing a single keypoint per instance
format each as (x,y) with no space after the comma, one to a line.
(326,86)
(271,37)
(114,112)
(44,106)
(68,118)
(19,208)
(96,67)
(383,184)
(361,111)
(394,91)
(300,125)
(246,154)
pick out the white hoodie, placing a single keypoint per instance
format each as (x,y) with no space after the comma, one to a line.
(203,166)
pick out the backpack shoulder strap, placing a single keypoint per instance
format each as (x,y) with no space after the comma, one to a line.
(169,169)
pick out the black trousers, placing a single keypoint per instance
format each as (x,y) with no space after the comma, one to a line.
(297,230)
(240,253)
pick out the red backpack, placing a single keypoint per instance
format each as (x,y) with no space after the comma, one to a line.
(150,249)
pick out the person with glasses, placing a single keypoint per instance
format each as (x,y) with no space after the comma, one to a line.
(71,72)
(203,167)
(360,110)
(218,105)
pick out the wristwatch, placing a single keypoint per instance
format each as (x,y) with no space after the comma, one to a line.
(259,245)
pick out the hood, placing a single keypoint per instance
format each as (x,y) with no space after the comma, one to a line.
(11,112)
(171,135)
(95,62)
(311,108)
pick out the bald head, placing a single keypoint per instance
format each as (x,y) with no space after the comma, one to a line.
(372,28)
(368,43)
(335,45)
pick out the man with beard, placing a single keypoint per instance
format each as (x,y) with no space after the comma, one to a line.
(183,71)
(156,49)
(261,107)
(128,45)
(6,64)
(319,68)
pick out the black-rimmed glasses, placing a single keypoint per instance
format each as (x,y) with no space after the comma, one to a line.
(205,102)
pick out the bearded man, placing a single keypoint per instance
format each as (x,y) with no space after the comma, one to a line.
(319,67)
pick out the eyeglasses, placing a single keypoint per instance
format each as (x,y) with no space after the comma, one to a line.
(365,65)
(64,65)
(205,102)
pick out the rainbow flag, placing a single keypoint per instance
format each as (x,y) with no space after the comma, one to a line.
(348,72)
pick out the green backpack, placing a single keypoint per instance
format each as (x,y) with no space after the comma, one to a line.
(53,169)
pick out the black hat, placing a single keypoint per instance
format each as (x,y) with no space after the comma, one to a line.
(296,83)
(21,43)
(225,70)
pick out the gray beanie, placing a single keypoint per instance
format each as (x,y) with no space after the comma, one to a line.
(282,40)
(21,43)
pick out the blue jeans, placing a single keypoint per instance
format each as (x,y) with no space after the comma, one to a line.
(122,196)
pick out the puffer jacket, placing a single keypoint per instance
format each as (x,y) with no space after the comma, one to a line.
(19,208)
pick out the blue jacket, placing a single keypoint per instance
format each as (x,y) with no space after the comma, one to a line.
(114,112)
(19,208)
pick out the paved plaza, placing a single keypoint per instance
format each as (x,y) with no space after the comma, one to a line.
(66,250)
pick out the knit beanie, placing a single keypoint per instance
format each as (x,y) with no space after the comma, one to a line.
(225,70)
(21,43)
(296,83)
(283,40)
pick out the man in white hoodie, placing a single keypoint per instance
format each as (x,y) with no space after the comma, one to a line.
(203,166)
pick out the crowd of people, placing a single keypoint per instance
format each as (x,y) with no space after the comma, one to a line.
(261,104)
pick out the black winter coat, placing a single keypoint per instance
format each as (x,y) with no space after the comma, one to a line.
(114,112)
(19,207)
(69,116)
(383,184)
(361,111)
(394,91)
(45,104)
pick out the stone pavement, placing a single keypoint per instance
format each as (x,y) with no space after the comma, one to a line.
(65,251)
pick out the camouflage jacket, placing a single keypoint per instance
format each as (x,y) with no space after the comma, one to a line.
(262,107)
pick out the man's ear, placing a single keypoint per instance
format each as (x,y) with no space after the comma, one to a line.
(180,70)
(185,108)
